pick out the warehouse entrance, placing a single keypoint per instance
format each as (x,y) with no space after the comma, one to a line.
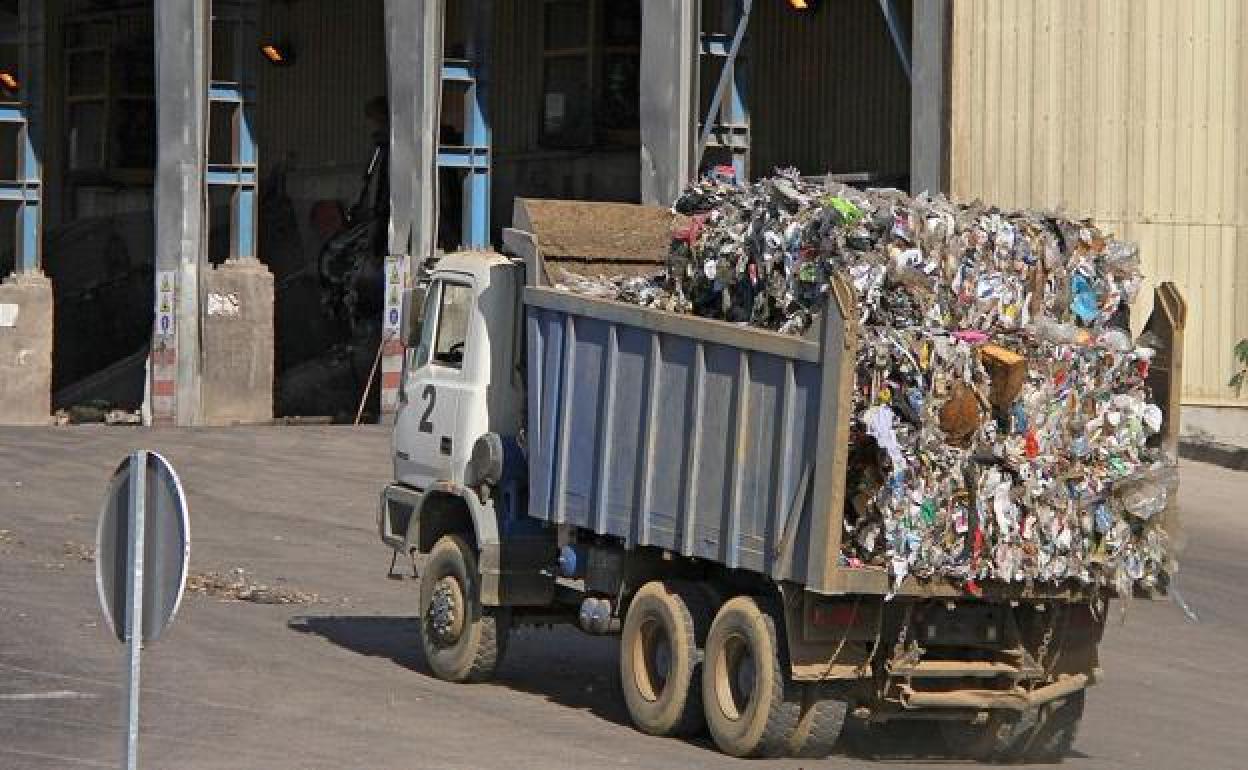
(98,199)
(322,130)
(823,87)
(564,100)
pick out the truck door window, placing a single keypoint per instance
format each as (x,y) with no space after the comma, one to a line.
(421,355)
(452,334)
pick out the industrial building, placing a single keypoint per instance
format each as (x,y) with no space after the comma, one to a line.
(1133,113)
(192,186)
(190,174)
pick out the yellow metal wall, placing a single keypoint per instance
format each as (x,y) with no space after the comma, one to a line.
(1134,113)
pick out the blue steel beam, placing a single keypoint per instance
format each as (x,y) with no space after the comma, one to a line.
(230,176)
(477,158)
(233,93)
(716,43)
(19,192)
(457,71)
(728,117)
(25,190)
(473,157)
(240,174)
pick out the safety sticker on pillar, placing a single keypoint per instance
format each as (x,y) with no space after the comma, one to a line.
(181,35)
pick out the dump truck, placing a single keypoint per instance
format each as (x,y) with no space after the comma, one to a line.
(680,482)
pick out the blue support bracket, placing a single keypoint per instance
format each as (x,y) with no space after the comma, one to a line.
(230,93)
(461,157)
(716,44)
(224,175)
(457,71)
(240,175)
(727,122)
(19,192)
(23,112)
(473,156)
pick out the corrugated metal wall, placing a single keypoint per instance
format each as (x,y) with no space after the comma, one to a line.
(1132,112)
(826,90)
(312,113)
(516,93)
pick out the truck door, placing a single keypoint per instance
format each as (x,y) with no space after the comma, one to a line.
(433,386)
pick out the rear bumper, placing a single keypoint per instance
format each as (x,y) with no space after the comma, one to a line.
(1016,699)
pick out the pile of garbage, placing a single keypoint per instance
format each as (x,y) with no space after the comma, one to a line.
(1001,413)
(237,585)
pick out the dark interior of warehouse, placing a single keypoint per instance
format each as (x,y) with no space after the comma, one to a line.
(562,108)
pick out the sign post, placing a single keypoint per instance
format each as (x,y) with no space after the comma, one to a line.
(142,550)
(134,602)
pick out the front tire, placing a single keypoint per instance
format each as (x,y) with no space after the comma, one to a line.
(462,641)
(751,708)
(660,658)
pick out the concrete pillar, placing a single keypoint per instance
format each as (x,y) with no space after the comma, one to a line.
(25,349)
(237,329)
(670,31)
(929,97)
(414,42)
(181,109)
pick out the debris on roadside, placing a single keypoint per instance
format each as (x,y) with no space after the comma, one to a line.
(236,585)
(97,411)
(81,551)
(123,417)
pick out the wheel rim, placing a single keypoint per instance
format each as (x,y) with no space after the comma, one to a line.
(736,677)
(446,611)
(652,659)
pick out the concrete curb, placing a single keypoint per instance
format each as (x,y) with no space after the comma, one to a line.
(1225,455)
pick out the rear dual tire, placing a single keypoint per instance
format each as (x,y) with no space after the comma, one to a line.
(1042,736)
(751,708)
(661,657)
(681,670)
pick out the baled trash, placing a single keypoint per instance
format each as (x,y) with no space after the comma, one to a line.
(1001,416)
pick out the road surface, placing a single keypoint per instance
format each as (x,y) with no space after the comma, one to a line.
(339,682)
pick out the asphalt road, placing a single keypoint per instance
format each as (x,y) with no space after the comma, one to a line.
(340,682)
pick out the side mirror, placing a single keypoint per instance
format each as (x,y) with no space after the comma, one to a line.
(413,315)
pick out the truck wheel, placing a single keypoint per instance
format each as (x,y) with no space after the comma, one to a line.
(463,641)
(819,726)
(893,739)
(991,741)
(660,664)
(1053,737)
(751,709)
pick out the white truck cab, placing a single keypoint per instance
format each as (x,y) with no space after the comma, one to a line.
(462,377)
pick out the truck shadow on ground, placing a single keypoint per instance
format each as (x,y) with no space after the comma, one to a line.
(561,665)
(580,672)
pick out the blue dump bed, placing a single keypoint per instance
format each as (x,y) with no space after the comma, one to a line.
(696,436)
